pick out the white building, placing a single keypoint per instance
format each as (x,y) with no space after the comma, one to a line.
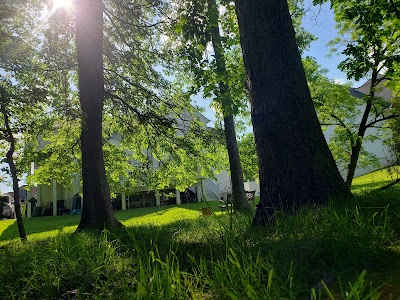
(54,199)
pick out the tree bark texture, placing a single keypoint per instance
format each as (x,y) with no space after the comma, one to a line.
(296,167)
(240,202)
(97,212)
(356,149)
(13,169)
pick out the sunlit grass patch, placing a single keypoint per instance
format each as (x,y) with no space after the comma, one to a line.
(375,179)
(164,216)
(48,227)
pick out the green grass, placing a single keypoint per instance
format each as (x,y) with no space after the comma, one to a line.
(341,251)
(375,180)
(45,227)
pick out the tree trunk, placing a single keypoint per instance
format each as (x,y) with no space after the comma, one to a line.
(13,169)
(356,149)
(97,212)
(240,202)
(295,164)
(239,199)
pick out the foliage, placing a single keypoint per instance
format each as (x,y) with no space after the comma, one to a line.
(141,105)
(248,156)
(31,75)
(340,114)
(370,34)
(190,38)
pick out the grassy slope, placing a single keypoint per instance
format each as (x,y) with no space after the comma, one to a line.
(173,253)
(375,179)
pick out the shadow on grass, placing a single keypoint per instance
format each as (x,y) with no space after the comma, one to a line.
(301,250)
(316,250)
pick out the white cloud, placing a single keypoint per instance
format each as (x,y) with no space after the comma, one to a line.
(339,80)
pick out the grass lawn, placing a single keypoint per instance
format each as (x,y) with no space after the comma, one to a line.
(341,251)
(45,227)
(375,180)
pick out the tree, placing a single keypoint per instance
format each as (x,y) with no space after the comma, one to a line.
(371,35)
(8,135)
(339,110)
(141,108)
(197,26)
(21,97)
(139,102)
(296,166)
(239,201)
(97,210)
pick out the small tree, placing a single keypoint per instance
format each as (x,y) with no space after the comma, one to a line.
(8,135)
(197,26)
(339,110)
(21,93)
(370,32)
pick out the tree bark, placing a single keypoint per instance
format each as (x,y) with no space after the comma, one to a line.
(97,212)
(295,164)
(356,149)
(240,202)
(13,169)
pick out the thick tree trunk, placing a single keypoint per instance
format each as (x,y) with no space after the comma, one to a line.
(239,199)
(356,149)
(97,212)
(295,164)
(13,169)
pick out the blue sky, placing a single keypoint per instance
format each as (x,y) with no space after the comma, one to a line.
(321,23)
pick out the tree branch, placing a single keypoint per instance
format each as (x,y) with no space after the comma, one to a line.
(342,124)
(393,116)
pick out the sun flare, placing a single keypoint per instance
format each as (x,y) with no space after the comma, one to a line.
(56,5)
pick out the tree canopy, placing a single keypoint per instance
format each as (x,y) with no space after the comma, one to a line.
(141,106)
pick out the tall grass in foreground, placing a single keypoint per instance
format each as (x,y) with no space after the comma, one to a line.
(319,253)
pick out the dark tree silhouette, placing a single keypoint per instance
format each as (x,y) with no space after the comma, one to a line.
(97,212)
(295,164)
